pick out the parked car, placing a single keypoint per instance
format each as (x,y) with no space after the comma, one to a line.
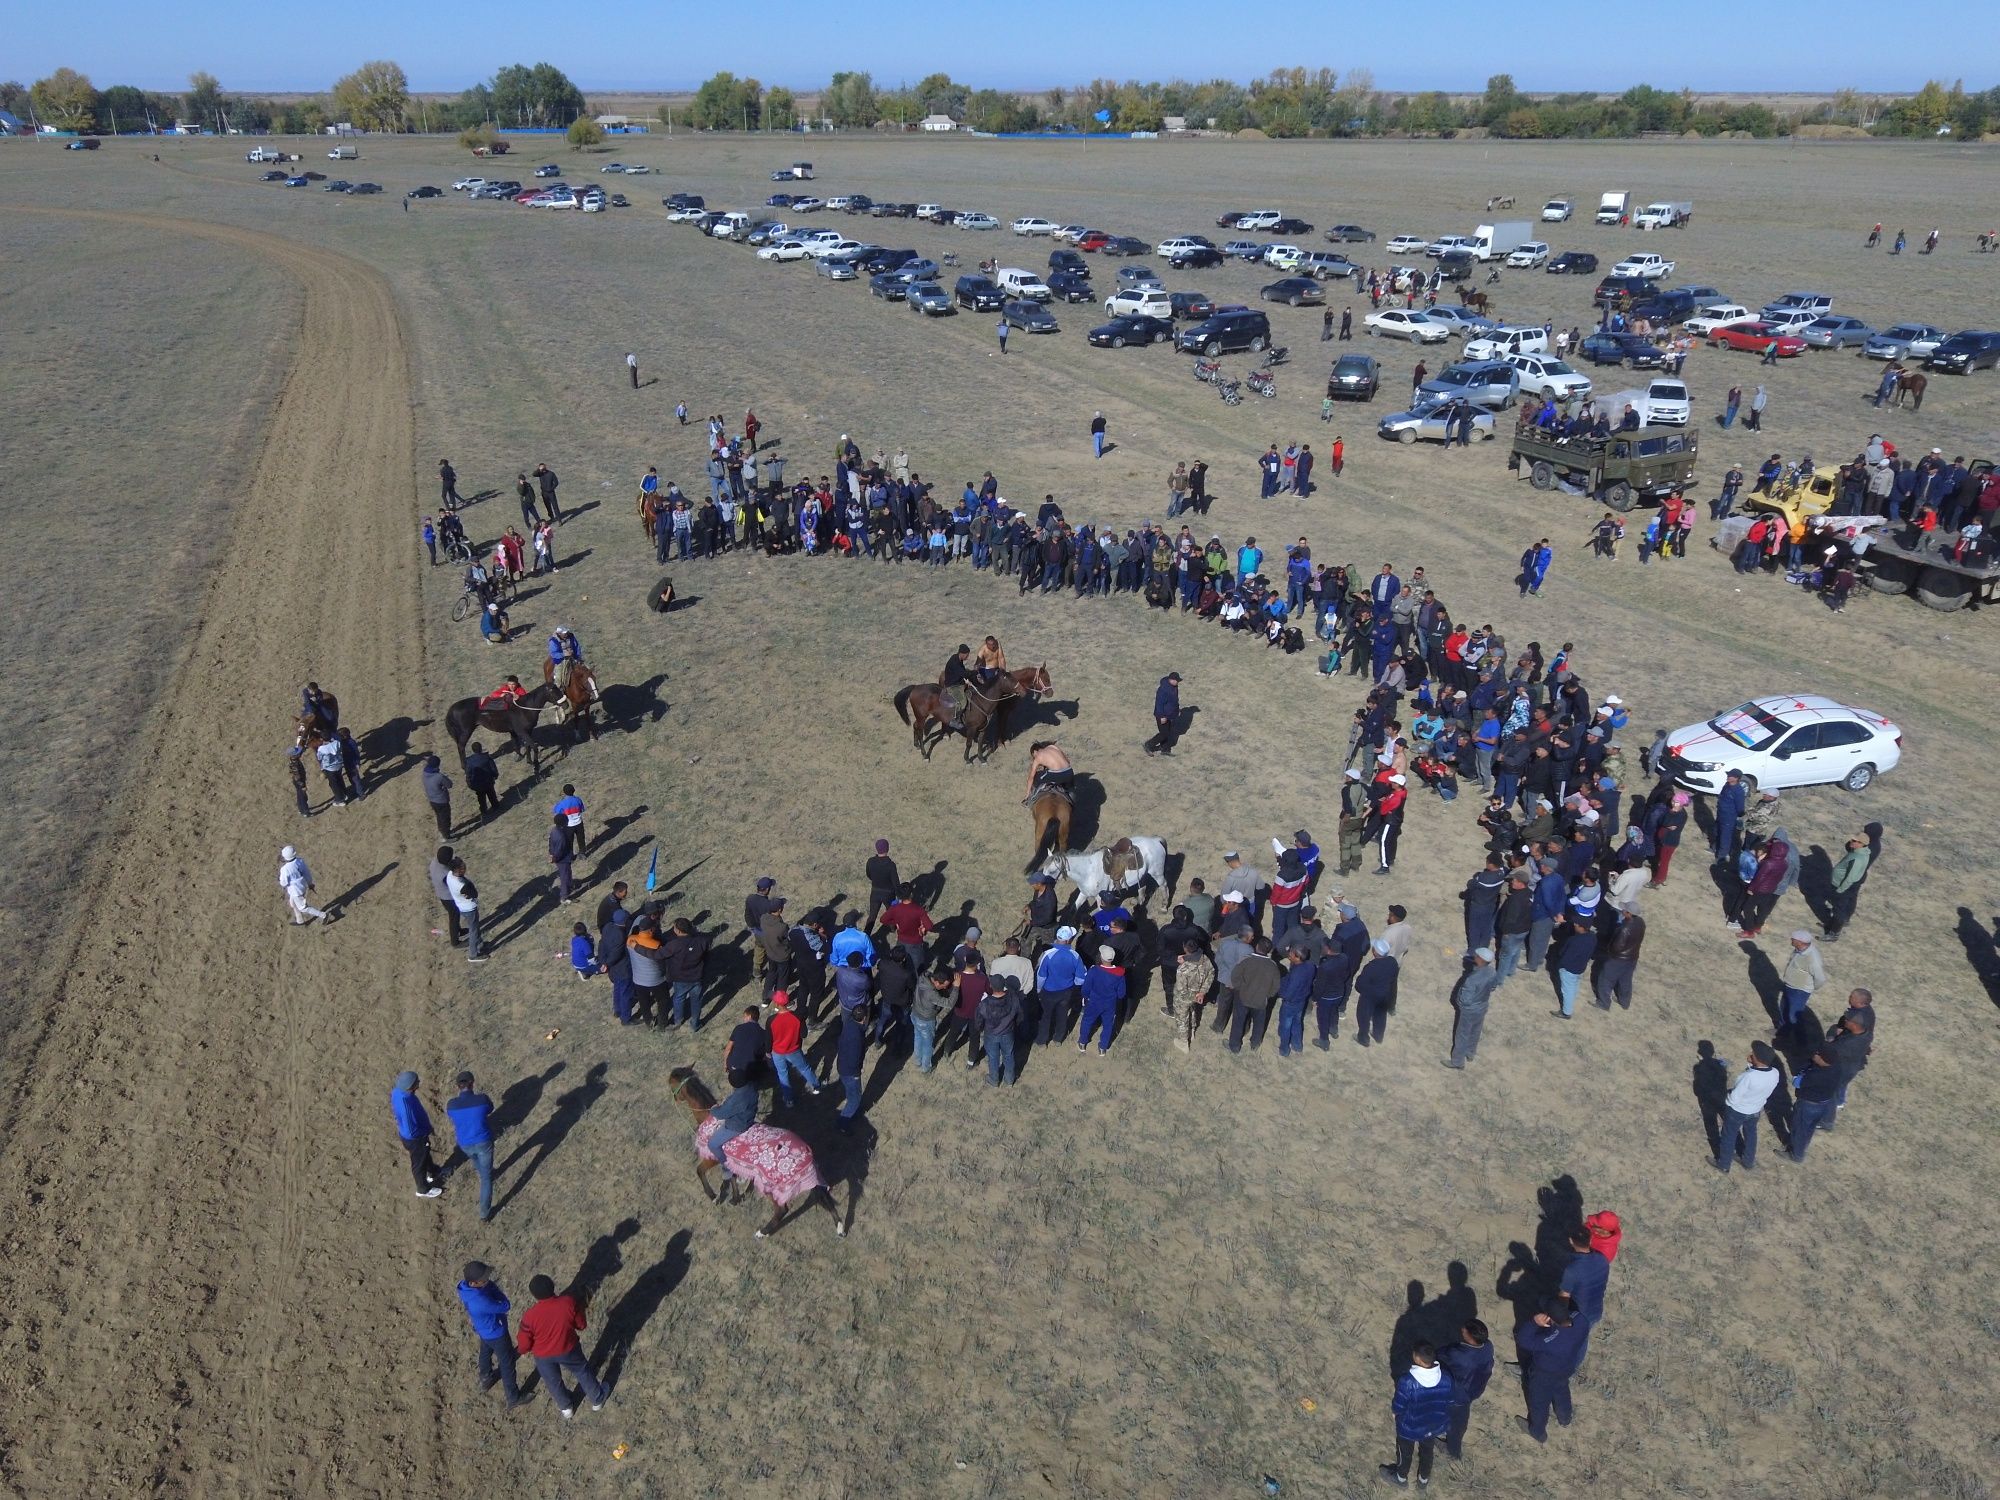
(889,286)
(1633,351)
(1407,244)
(778,200)
(1291,226)
(1191,306)
(1326,266)
(1284,257)
(1963,353)
(1069,260)
(612,166)
(467,184)
(1461,320)
(548,169)
(1016,282)
(1527,257)
(1427,423)
(784,250)
(1244,250)
(1229,331)
(1786,740)
(977,221)
(1230,220)
(416,192)
(1545,375)
(921,269)
(1069,234)
(1812,302)
(618,200)
(1836,331)
(838,203)
(1402,323)
(1148,301)
(1491,384)
(1448,242)
(767,233)
(1757,338)
(638,169)
(1029,317)
(1904,341)
(979,293)
(929,298)
(1123,244)
(1131,276)
(807,205)
(1131,329)
(1355,377)
(1032,226)
(274,177)
(1092,241)
(885,260)
(1789,319)
(1262,218)
(1726,315)
(1557,211)
(692,200)
(1644,264)
(1665,307)
(1667,403)
(1704,297)
(1295,291)
(1457,265)
(1621,292)
(1350,234)
(835,270)
(834,249)
(1200,257)
(1573,263)
(364,189)
(1070,286)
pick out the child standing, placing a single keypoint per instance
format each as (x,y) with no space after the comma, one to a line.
(681,411)
(431,540)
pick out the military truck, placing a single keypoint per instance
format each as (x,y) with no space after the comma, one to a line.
(1617,471)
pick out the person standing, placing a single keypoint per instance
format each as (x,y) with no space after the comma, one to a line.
(682,955)
(930,1001)
(632,369)
(569,808)
(333,767)
(1816,1095)
(465,896)
(548,1335)
(1804,973)
(471,1114)
(350,761)
(1579,946)
(413,1128)
(999,1017)
(440,871)
(1729,807)
(1254,982)
(437,792)
(1747,1097)
(560,857)
(882,881)
(1326,325)
(1474,995)
(1551,1348)
(1059,976)
(1000,332)
(487,1307)
(448,485)
(1614,975)
(295,879)
(295,767)
(1423,1408)
(1166,715)
(616,964)
(546,482)
(1097,435)
(1535,568)
(1103,996)
(1375,993)
(1469,1363)
(1584,1280)
(482,774)
(1849,872)
(1758,401)
(1346,330)
(787,1043)
(1295,992)
(850,1053)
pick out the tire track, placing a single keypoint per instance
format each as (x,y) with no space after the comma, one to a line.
(201,1256)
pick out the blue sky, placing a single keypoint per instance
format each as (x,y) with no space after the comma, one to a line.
(1762,45)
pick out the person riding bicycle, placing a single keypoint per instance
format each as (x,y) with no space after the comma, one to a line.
(479,581)
(1048,770)
(565,651)
(451,532)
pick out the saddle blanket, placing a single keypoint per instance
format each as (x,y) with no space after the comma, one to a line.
(775,1162)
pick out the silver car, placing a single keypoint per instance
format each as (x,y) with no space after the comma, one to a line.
(930,298)
(1428,422)
(1833,331)
(1489,383)
(835,270)
(1904,341)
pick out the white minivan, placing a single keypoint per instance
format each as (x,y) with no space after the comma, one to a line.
(1497,343)
(727,224)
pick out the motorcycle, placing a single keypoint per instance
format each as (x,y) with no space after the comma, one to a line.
(1207,369)
(1277,355)
(1264,384)
(1231,392)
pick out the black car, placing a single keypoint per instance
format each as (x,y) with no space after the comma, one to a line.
(1071,286)
(1200,257)
(1296,290)
(1291,226)
(1633,351)
(1457,265)
(889,286)
(1029,317)
(1621,292)
(678,200)
(1134,328)
(1124,244)
(1350,234)
(618,200)
(1069,260)
(364,189)
(1573,263)
(274,176)
(1665,307)
(338,185)
(860,203)
(1355,377)
(1195,305)
(778,200)
(1963,353)
(1228,220)
(885,260)
(980,293)
(418,192)
(548,169)
(1227,332)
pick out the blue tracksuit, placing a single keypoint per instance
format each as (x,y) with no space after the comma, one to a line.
(1103,990)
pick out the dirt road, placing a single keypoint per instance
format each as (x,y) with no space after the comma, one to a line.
(172,1303)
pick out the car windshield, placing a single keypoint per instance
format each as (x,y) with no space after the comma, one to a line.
(1749,726)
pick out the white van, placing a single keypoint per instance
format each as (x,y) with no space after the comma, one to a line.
(1016,282)
(1497,343)
(344,153)
(728,224)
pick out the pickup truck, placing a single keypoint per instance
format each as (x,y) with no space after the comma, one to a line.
(265,153)
(1645,264)
(1663,216)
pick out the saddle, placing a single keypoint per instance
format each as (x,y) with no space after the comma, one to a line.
(953,701)
(1121,860)
(1046,788)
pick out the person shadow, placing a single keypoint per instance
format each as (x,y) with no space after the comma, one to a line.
(529,902)
(1436,1321)
(1982,951)
(927,889)
(361,888)
(1816,882)
(626,1318)
(521,1097)
(570,1107)
(612,827)
(600,1262)
(1765,980)
(1532,1275)
(1710,1085)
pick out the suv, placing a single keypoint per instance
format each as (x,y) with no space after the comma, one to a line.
(1963,353)
(1490,383)
(1614,470)
(1812,302)
(1497,343)
(1226,333)
(1545,375)
(1665,307)
(1145,301)
(980,293)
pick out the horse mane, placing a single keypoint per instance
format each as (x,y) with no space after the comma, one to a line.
(690,1089)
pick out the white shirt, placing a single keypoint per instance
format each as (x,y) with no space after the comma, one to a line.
(632,360)
(293,876)
(455,883)
(1397,936)
(1752,1090)
(1014,966)
(328,755)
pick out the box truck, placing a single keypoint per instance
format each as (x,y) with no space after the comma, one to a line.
(1496,241)
(1611,207)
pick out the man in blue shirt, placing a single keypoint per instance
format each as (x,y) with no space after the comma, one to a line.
(471,1125)
(1383,589)
(1249,558)
(487,1306)
(851,939)
(413,1126)
(1166,715)
(1103,993)
(1058,977)
(1550,901)
(1293,994)
(1583,1282)
(1551,1348)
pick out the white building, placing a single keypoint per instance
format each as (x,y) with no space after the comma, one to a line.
(937,122)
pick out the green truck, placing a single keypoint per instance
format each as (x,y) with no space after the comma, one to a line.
(1619,470)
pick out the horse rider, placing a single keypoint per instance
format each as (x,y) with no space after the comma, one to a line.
(1048,770)
(953,680)
(508,695)
(565,653)
(319,706)
(988,662)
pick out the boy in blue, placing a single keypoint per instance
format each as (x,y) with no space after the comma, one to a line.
(471,1126)
(487,1306)
(582,952)
(1422,1406)
(1103,993)
(413,1127)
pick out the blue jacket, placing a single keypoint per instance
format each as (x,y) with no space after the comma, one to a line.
(1584,1279)
(1103,984)
(1060,969)
(469,1122)
(487,1307)
(412,1124)
(1469,1369)
(850,940)
(1729,802)
(1167,700)
(1297,987)
(1554,1350)
(1551,896)
(1577,949)
(1422,1411)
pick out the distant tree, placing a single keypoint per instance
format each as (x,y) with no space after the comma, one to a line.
(1501,99)
(537,96)
(65,98)
(781,108)
(204,101)
(121,107)
(726,102)
(850,101)
(584,133)
(375,96)
(1522,124)
(937,94)
(14,97)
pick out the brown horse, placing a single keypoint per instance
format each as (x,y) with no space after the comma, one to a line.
(778,1163)
(1473,300)
(984,719)
(573,697)
(1912,383)
(1050,812)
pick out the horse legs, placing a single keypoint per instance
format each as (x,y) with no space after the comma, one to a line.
(701,1170)
(825,1195)
(771,1224)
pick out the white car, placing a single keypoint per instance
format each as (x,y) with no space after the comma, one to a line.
(1663,403)
(1556,211)
(1401,323)
(1528,256)
(1448,242)
(637,171)
(1263,218)
(1646,264)
(1788,319)
(564,199)
(593,203)
(807,205)
(1726,316)
(1147,301)
(977,221)
(925,211)
(467,184)
(1545,375)
(1178,245)
(821,249)
(784,250)
(1407,244)
(1284,257)
(612,166)
(838,202)
(1032,226)
(686,215)
(821,237)
(1807,740)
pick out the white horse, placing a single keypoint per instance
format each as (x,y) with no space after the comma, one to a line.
(1092,877)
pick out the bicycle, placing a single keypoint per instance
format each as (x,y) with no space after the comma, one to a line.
(458,549)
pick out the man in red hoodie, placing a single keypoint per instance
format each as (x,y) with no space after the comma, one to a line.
(548,1335)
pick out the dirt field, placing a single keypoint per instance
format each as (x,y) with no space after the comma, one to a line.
(1123,1277)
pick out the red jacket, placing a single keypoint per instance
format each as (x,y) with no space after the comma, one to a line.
(549,1328)
(786,1031)
(910,920)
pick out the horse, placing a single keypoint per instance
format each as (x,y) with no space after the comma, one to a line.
(921,706)
(573,696)
(1503,200)
(1473,300)
(1911,383)
(1050,810)
(517,721)
(1126,865)
(777,1163)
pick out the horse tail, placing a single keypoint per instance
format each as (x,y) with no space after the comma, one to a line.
(902,701)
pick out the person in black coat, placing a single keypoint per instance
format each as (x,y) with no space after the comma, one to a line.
(1469,1362)
(482,774)
(1551,1348)
(1166,715)
(1375,993)
(1171,943)
(882,881)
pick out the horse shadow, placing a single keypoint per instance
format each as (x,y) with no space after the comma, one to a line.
(628,704)
(600,1262)
(1709,1083)
(1050,711)
(626,1318)
(1982,951)
(388,747)
(361,887)
(1435,1321)
(1086,815)
(570,1107)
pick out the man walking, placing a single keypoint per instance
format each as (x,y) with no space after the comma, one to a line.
(569,808)
(487,1307)
(296,881)
(465,896)
(1423,1408)
(448,485)
(437,792)
(1097,435)
(1747,1097)
(1166,715)
(1375,993)
(1474,994)
(413,1128)
(546,482)
(1000,332)
(471,1115)
(549,1337)
(632,369)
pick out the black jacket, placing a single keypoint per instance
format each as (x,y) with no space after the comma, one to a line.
(1377,981)
(882,873)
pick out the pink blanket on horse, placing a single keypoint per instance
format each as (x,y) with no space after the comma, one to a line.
(775,1162)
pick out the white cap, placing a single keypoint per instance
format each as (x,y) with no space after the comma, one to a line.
(1610,698)
(1380,945)
(1065,934)
(1398,780)
(288,852)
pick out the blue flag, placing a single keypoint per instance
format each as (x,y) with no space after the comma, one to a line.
(653,871)
(1104,117)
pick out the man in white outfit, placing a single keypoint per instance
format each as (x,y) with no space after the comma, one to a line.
(296,881)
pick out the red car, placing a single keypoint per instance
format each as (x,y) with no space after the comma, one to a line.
(1097,239)
(1757,337)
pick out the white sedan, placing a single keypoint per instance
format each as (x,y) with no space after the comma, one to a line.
(1806,740)
(1033,226)
(977,221)
(784,250)
(1407,244)
(1406,323)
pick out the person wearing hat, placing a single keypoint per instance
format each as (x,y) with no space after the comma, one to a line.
(1038,917)
(1288,894)
(413,1128)
(471,1114)
(296,881)
(1849,871)
(1804,973)
(548,1334)
(1166,715)
(999,1017)
(1729,808)
(1353,821)
(1724,504)
(882,881)
(1748,1094)
(1103,996)
(1059,977)
(1375,993)
(754,906)
(1471,998)
(774,939)
(486,1306)
(787,1043)
(1386,796)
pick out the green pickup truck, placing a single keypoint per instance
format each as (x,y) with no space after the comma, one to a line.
(1618,470)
